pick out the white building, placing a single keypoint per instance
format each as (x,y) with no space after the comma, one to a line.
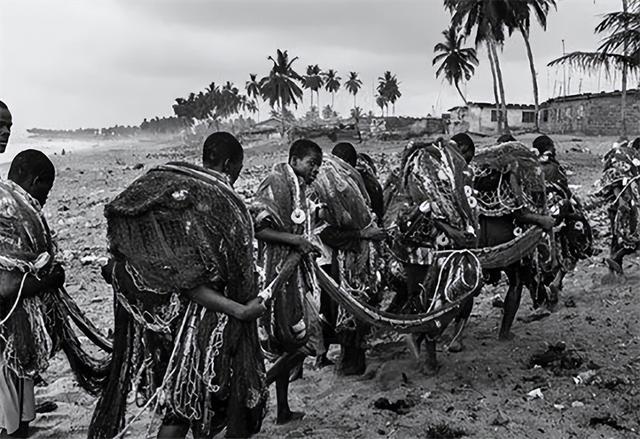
(482,117)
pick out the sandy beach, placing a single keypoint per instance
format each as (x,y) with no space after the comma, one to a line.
(480,392)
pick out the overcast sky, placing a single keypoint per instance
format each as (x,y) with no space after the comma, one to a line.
(95,63)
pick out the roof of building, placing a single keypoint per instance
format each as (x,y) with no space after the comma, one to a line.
(588,96)
(492,105)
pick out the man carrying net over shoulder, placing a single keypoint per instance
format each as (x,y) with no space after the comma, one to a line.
(183,275)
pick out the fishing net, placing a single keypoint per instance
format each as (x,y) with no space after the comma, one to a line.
(508,177)
(341,189)
(435,189)
(37,327)
(176,228)
(280,203)
(620,186)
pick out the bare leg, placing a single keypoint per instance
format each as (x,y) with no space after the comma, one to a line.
(431,363)
(462,318)
(173,430)
(511,303)
(284,413)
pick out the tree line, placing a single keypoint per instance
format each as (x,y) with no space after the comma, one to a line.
(281,88)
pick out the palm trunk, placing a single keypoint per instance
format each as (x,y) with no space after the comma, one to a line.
(461,95)
(354,101)
(534,76)
(311,99)
(333,95)
(623,98)
(495,85)
(503,102)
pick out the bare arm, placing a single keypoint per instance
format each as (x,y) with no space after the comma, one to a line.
(298,242)
(215,301)
(10,284)
(527,217)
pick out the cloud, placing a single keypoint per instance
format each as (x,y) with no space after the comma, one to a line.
(68,63)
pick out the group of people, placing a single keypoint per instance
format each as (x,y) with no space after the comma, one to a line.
(206,283)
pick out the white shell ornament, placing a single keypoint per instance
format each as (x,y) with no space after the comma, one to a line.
(425,207)
(442,175)
(636,162)
(517,231)
(442,240)
(298,216)
(468,191)
(473,203)
(579,226)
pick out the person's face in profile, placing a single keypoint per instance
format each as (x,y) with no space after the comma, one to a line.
(5,128)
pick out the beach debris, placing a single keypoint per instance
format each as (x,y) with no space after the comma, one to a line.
(535,316)
(501,419)
(607,420)
(577,404)
(444,431)
(556,357)
(535,394)
(570,303)
(401,406)
(46,407)
(497,302)
(585,377)
(559,407)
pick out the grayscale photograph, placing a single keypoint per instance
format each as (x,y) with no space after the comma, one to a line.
(320,219)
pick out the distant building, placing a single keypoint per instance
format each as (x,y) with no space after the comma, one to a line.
(591,114)
(482,117)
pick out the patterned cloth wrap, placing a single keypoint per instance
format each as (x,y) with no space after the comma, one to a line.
(574,239)
(292,318)
(26,246)
(435,188)
(621,175)
(508,177)
(346,206)
(177,227)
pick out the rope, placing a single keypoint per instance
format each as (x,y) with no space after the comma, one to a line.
(167,374)
(625,188)
(15,304)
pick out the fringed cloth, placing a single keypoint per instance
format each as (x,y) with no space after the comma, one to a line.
(291,321)
(175,228)
(574,238)
(34,328)
(435,187)
(508,177)
(346,208)
(621,189)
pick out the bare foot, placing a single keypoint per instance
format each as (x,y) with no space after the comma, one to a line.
(506,336)
(429,369)
(287,416)
(322,361)
(455,346)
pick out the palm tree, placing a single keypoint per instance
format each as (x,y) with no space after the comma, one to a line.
(619,50)
(252,86)
(457,63)
(382,103)
(522,21)
(389,89)
(279,87)
(489,18)
(312,81)
(332,83)
(353,85)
